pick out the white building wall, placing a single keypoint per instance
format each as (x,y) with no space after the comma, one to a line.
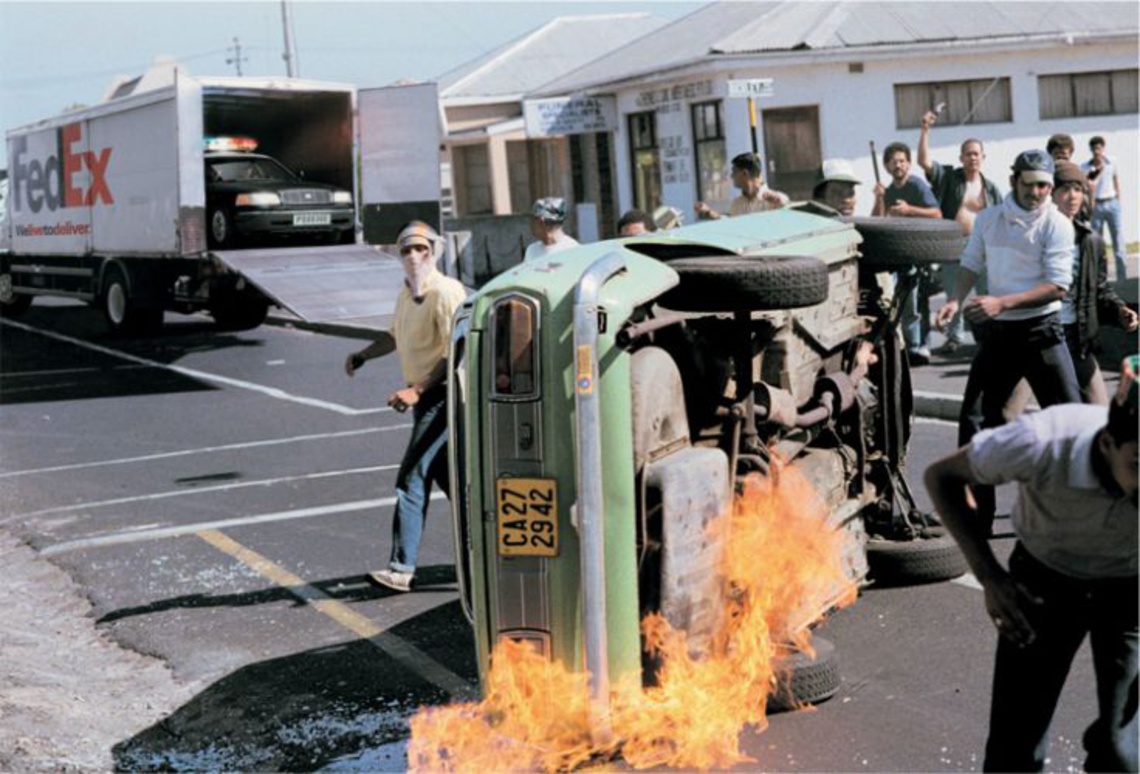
(857,107)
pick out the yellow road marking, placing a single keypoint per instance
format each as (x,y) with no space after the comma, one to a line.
(393,645)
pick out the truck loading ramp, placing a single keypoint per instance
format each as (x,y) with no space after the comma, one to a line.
(342,289)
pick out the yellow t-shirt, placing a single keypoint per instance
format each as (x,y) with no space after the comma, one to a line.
(422,330)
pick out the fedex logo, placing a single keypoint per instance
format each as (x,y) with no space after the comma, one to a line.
(57,180)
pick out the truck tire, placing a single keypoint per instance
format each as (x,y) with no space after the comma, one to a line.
(930,558)
(239,310)
(811,680)
(735,283)
(899,243)
(12,304)
(221,227)
(125,314)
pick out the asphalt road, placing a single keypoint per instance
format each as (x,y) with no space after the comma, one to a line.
(220,497)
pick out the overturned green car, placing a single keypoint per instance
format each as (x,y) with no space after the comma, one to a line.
(606,402)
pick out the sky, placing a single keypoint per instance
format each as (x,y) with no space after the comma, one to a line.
(58,54)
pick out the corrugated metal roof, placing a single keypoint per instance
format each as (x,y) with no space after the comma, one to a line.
(551,51)
(742,28)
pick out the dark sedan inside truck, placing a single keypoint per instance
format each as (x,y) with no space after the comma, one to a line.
(252,199)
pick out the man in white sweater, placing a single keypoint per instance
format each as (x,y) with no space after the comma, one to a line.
(1025,248)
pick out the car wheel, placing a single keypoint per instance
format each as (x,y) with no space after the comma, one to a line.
(12,304)
(899,243)
(931,557)
(801,679)
(737,283)
(222,232)
(123,312)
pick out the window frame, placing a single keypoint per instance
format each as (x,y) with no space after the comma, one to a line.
(1073,107)
(718,137)
(963,97)
(648,121)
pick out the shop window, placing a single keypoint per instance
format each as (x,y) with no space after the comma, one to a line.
(646,161)
(711,157)
(979,101)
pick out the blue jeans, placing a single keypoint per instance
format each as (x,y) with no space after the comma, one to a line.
(1109,212)
(1028,681)
(911,318)
(425,461)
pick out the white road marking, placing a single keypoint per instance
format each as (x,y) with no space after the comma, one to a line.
(202,450)
(934,421)
(162,533)
(204,376)
(197,490)
(969,581)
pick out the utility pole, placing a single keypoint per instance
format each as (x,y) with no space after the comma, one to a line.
(292,66)
(237,58)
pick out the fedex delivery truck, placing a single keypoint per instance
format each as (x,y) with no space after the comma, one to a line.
(216,194)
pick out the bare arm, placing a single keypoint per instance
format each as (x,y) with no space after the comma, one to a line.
(1006,600)
(383,345)
(924,160)
(904,210)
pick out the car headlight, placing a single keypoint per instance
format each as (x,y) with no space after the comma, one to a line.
(342,197)
(258,199)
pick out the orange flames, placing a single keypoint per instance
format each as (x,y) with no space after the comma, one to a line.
(782,570)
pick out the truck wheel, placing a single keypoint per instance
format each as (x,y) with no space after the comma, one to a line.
(12,304)
(123,313)
(929,558)
(803,680)
(239,310)
(222,233)
(899,243)
(734,283)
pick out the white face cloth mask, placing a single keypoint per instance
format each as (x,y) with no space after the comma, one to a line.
(417,272)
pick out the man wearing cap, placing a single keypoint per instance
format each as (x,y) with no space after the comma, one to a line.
(1091,300)
(962,193)
(755,195)
(1072,573)
(547,217)
(1102,176)
(420,335)
(1025,247)
(835,186)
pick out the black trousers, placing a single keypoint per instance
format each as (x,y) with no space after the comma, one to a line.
(1008,352)
(1028,681)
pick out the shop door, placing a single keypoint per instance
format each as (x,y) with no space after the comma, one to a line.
(792,150)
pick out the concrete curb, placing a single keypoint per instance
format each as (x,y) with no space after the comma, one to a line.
(937,405)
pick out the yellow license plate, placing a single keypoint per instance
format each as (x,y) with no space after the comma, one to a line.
(528,516)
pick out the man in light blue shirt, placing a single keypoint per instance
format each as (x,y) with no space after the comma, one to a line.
(1025,248)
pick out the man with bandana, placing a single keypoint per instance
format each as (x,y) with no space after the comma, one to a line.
(420,335)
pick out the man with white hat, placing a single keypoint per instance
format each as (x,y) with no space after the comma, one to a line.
(835,186)
(420,334)
(547,217)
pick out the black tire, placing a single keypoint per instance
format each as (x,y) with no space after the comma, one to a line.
(899,243)
(123,312)
(738,283)
(12,304)
(239,310)
(220,227)
(929,559)
(810,681)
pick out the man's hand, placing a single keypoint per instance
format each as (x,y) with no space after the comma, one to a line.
(1007,602)
(404,399)
(899,209)
(705,212)
(353,362)
(929,119)
(946,314)
(982,309)
(1128,319)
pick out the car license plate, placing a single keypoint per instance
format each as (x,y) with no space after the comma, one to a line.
(528,516)
(312,218)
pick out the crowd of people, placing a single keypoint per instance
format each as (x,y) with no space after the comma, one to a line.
(1032,283)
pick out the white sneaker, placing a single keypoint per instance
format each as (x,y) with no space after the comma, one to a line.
(392,579)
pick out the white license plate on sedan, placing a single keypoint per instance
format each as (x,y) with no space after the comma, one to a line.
(312,218)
